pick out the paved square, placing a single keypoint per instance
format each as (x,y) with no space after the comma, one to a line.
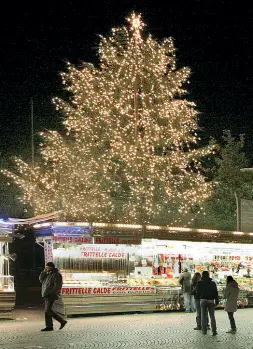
(156,330)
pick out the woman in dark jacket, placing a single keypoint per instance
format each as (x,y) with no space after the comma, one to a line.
(231,295)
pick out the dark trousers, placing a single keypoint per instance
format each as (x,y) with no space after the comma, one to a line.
(207,306)
(49,313)
(232,320)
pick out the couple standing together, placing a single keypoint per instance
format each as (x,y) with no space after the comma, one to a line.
(205,294)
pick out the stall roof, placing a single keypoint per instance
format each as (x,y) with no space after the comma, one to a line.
(98,229)
(7,225)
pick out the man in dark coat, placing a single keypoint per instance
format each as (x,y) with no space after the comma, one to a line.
(51,281)
(208,294)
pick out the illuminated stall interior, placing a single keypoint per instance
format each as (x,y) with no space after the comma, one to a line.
(153,262)
(6,280)
(7,292)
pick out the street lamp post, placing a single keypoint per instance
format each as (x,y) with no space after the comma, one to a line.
(238,212)
(238,203)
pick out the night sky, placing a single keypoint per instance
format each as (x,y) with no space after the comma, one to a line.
(213,38)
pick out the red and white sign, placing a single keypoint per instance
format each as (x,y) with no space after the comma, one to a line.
(117,240)
(71,291)
(72,239)
(106,251)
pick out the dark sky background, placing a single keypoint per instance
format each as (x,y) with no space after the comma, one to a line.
(213,38)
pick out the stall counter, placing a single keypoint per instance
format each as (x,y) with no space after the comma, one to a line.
(121,299)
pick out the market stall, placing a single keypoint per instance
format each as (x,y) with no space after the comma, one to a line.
(123,268)
(7,292)
(11,228)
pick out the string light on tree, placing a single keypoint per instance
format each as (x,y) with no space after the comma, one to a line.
(130,151)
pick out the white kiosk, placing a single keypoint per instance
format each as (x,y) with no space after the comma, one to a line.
(7,291)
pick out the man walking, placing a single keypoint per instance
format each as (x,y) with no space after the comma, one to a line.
(51,281)
(185,281)
(208,294)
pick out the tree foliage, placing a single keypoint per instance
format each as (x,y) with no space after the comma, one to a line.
(227,180)
(130,152)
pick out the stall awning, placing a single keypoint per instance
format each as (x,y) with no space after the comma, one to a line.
(130,233)
(42,218)
(7,225)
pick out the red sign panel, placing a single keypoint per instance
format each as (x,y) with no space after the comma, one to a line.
(103,251)
(72,239)
(69,291)
(117,240)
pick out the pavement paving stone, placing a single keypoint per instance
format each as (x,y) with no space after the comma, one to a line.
(149,331)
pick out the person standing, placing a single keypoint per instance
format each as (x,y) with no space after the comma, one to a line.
(195,279)
(208,294)
(231,294)
(51,281)
(185,282)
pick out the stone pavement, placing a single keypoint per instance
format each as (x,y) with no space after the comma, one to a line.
(155,330)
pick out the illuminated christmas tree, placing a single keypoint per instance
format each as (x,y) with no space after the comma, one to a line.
(130,150)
